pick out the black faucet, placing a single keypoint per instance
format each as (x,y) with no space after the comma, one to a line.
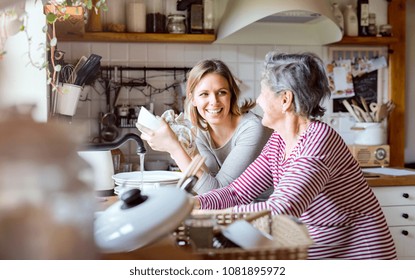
(117,143)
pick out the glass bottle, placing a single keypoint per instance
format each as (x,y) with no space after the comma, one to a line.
(155,16)
(351,27)
(338,15)
(363,17)
(372,25)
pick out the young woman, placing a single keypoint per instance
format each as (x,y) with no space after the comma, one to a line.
(229,136)
(314,175)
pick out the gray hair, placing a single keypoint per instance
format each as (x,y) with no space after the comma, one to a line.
(304,75)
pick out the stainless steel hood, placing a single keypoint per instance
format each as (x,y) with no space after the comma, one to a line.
(278,22)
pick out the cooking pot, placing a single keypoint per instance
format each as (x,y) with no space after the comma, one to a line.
(140,218)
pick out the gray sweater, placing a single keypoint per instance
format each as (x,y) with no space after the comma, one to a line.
(226,163)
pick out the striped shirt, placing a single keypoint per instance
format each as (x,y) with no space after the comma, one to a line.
(321,184)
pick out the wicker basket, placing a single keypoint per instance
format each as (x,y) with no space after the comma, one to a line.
(291,239)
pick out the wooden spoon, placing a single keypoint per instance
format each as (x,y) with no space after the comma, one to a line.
(382,112)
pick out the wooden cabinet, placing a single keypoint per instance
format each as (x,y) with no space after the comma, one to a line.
(397,72)
(398,205)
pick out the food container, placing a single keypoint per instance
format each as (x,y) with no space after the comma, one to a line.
(176,24)
(369,133)
(155,16)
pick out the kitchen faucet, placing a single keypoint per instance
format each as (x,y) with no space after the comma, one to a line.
(113,145)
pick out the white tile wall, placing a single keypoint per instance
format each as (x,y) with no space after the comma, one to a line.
(245,61)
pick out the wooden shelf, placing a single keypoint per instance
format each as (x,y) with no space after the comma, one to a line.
(379,41)
(138,37)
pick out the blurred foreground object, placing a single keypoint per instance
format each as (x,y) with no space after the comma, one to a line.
(46,203)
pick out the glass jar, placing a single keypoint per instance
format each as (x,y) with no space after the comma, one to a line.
(385,30)
(208,17)
(47,202)
(155,16)
(136,15)
(115,17)
(176,24)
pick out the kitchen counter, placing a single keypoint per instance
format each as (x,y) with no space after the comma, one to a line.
(380,180)
(374,180)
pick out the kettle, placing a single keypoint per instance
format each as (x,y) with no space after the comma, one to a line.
(103,170)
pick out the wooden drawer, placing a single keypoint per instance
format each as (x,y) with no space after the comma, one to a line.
(404,238)
(399,215)
(390,196)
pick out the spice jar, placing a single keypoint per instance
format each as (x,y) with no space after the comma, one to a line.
(385,30)
(176,23)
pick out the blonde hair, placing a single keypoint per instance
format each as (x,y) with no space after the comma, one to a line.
(200,70)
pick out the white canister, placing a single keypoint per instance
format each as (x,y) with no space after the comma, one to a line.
(369,133)
(136,16)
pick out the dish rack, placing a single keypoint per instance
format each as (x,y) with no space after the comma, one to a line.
(291,238)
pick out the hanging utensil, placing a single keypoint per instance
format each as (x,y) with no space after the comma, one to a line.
(109,132)
(88,70)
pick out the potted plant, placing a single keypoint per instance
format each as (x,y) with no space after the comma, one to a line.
(65,17)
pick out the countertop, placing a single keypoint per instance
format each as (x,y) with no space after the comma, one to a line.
(165,248)
(374,180)
(380,180)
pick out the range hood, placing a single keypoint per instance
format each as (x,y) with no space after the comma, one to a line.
(278,22)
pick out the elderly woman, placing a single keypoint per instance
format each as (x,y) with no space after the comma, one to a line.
(229,135)
(315,177)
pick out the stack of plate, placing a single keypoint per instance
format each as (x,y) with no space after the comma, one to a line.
(145,180)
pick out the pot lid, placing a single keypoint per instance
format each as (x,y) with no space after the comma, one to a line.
(140,218)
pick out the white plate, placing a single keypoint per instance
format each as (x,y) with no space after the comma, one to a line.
(149,177)
(137,184)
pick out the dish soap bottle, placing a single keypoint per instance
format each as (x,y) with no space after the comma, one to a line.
(363,17)
(338,16)
(351,24)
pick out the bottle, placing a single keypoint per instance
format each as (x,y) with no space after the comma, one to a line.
(350,20)
(338,16)
(363,17)
(372,25)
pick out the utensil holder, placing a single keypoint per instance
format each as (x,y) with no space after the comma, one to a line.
(68,97)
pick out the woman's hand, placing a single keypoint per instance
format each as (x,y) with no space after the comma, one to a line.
(196,203)
(163,139)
